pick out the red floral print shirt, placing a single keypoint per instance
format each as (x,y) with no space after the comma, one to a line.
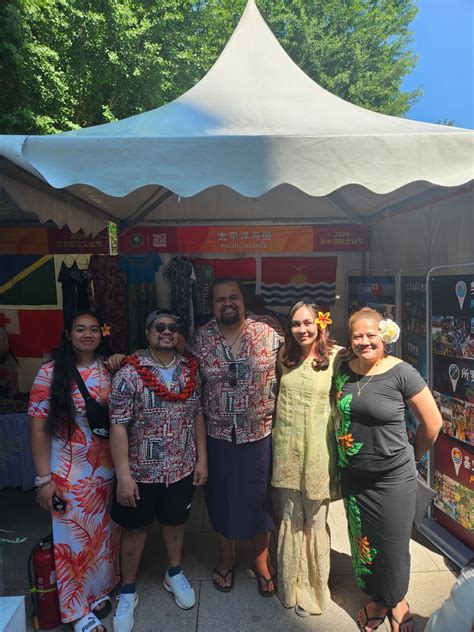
(161,442)
(238,392)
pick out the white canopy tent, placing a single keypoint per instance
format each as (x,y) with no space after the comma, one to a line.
(256,140)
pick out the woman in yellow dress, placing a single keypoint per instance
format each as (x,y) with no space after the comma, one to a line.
(304,459)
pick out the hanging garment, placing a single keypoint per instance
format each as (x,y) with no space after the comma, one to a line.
(142,297)
(181,276)
(75,294)
(110,298)
(202,296)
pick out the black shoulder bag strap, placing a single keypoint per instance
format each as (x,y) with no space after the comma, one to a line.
(97,415)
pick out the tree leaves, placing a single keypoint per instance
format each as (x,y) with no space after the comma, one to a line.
(76,63)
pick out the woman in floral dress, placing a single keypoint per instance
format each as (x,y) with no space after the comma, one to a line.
(74,465)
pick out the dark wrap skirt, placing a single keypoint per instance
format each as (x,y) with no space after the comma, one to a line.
(238,487)
(380,507)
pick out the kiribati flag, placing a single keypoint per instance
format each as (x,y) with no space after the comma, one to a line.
(286,280)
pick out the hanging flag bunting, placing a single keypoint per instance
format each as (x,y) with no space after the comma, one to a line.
(286,280)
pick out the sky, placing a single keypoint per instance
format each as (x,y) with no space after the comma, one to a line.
(443,40)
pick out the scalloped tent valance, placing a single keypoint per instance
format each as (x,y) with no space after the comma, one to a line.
(254,127)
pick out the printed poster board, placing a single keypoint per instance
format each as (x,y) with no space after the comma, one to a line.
(452,332)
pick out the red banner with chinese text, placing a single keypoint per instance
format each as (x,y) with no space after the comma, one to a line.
(24,241)
(346,238)
(251,240)
(63,241)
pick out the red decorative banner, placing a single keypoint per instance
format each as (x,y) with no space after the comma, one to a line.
(335,238)
(242,239)
(143,239)
(63,241)
(23,241)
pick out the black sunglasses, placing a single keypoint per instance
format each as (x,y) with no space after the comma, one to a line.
(162,327)
(233,374)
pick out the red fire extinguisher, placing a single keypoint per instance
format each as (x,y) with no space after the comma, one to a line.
(43,586)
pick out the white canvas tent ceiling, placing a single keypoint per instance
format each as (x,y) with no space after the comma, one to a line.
(255,139)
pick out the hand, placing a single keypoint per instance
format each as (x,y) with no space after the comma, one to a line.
(44,496)
(344,354)
(127,492)
(200,473)
(114,361)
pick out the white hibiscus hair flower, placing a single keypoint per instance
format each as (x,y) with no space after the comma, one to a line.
(389,331)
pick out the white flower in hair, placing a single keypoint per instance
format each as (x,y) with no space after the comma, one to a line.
(389,331)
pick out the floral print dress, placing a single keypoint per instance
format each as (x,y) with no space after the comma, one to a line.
(86,541)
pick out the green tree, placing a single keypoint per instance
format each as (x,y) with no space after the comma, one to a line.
(73,63)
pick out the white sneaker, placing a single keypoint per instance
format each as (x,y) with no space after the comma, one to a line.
(180,587)
(301,612)
(123,619)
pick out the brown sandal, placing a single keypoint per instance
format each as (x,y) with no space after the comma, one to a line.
(265,593)
(217,586)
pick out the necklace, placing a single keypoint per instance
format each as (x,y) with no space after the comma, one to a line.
(160,362)
(361,388)
(231,344)
(150,381)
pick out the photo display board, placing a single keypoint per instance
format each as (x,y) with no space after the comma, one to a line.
(413,343)
(452,329)
(377,292)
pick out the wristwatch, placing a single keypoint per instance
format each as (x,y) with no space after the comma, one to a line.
(41,481)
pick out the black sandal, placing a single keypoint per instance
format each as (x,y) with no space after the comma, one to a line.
(217,586)
(367,620)
(265,593)
(405,622)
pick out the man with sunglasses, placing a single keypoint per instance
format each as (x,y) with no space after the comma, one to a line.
(158,444)
(237,357)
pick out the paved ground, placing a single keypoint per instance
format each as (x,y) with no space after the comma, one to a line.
(243,609)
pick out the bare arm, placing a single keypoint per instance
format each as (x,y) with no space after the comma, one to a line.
(423,406)
(200,471)
(41,449)
(127,489)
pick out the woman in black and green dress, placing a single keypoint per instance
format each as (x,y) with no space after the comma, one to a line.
(377,465)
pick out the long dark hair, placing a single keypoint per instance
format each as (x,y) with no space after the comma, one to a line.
(60,421)
(324,342)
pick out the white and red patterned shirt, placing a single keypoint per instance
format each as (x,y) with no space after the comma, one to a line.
(238,393)
(161,442)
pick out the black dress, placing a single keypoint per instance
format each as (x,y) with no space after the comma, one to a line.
(378,476)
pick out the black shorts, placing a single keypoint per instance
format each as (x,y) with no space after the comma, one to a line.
(169,505)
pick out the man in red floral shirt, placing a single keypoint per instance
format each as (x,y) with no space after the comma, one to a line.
(237,358)
(158,444)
